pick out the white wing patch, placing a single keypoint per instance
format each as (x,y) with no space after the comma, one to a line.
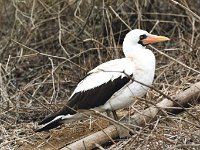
(104,73)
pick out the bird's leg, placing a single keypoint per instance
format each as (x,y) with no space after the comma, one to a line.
(121,130)
(108,112)
(115,115)
(112,115)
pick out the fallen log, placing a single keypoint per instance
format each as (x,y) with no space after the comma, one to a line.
(184,99)
(139,119)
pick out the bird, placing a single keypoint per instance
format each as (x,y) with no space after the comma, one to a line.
(111,85)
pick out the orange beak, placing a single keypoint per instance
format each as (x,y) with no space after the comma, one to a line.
(154,39)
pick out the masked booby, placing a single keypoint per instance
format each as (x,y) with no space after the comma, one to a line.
(108,87)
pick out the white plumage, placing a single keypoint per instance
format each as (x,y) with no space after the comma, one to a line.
(113,78)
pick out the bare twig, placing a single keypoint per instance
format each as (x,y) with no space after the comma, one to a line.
(175,60)
(120,18)
(187,9)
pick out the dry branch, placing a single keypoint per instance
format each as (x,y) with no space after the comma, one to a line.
(101,137)
(183,98)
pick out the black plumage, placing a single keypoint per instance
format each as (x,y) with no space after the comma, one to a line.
(88,99)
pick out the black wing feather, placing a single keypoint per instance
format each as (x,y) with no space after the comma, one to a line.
(97,96)
(91,98)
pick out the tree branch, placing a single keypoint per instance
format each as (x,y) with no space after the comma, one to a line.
(101,137)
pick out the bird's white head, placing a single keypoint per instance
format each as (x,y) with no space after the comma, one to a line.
(137,40)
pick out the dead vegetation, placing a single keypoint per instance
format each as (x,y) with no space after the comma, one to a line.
(47,46)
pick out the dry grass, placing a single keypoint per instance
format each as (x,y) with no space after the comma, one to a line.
(46,47)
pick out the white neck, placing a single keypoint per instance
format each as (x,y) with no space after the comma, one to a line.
(132,50)
(142,57)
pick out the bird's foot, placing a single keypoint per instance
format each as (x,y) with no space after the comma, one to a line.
(123,132)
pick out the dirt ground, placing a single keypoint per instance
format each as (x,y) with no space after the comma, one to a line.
(61,137)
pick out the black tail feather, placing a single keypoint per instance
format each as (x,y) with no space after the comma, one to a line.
(48,118)
(50,122)
(50,125)
(64,111)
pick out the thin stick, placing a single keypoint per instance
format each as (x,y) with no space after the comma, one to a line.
(175,60)
(120,18)
(53,80)
(187,9)
(60,36)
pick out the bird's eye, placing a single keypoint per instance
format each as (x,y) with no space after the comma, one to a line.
(142,37)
